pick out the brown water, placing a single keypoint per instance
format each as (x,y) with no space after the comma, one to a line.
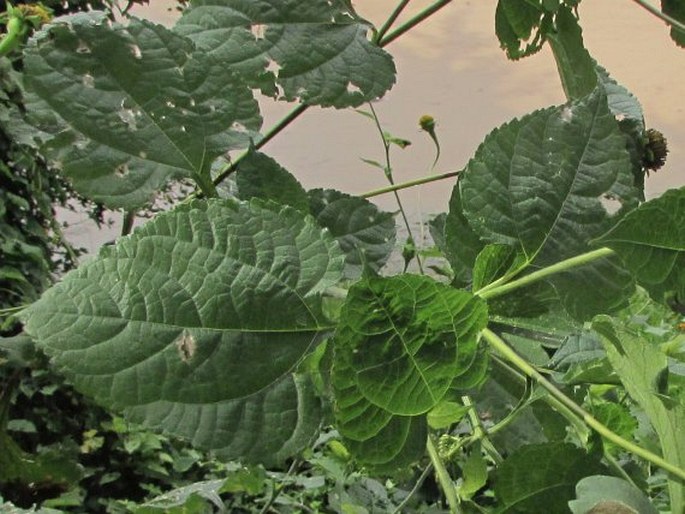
(451,67)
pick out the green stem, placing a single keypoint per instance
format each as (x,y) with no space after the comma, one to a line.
(268,136)
(206,185)
(661,15)
(518,362)
(443,477)
(414,490)
(16,29)
(480,432)
(498,290)
(411,183)
(391,19)
(411,23)
(127,222)
(388,174)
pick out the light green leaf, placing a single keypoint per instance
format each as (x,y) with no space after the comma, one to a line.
(259,176)
(651,243)
(408,337)
(315,52)
(365,233)
(540,479)
(176,500)
(446,413)
(475,472)
(196,322)
(539,184)
(611,494)
(642,367)
(617,418)
(117,138)
(492,262)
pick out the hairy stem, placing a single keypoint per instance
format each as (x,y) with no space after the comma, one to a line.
(521,364)
(492,290)
(444,478)
(661,15)
(410,183)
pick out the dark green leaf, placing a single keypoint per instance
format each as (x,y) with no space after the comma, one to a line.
(218,302)
(651,243)
(492,262)
(611,495)
(514,24)
(259,176)
(675,9)
(576,67)
(539,184)
(541,478)
(365,233)
(316,52)
(582,359)
(462,244)
(117,138)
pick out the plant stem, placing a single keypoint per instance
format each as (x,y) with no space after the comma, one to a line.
(661,15)
(443,477)
(518,362)
(410,183)
(391,19)
(268,136)
(127,222)
(411,23)
(388,174)
(414,489)
(579,260)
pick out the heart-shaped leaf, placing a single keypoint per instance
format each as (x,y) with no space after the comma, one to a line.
(195,325)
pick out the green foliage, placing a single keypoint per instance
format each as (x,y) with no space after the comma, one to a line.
(245,325)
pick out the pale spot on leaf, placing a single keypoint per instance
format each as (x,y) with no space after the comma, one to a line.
(186,346)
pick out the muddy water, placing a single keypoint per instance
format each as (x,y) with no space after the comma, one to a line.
(452,68)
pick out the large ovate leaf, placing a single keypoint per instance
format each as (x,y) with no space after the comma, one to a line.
(317,52)
(539,184)
(365,233)
(195,325)
(651,243)
(125,109)
(407,338)
(540,479)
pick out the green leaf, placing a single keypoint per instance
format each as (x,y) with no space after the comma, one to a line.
(642,366)
(541,478)
(514,24)
(373,435)
(539,184)
(651,242)
(675,9)
(186,499)
(446,413)
(576,67)
(617,418)
(475,472)
(492,263)
(117,138)
(611,495)
(582,359)
(408,338)
(462,244)
(259,176)
(366,234)
(218,302)
(271,43)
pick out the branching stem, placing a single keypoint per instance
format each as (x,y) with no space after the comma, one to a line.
(411,23)
(498,290)
(410,183)
(391,19)
(521,364)
(444,477)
